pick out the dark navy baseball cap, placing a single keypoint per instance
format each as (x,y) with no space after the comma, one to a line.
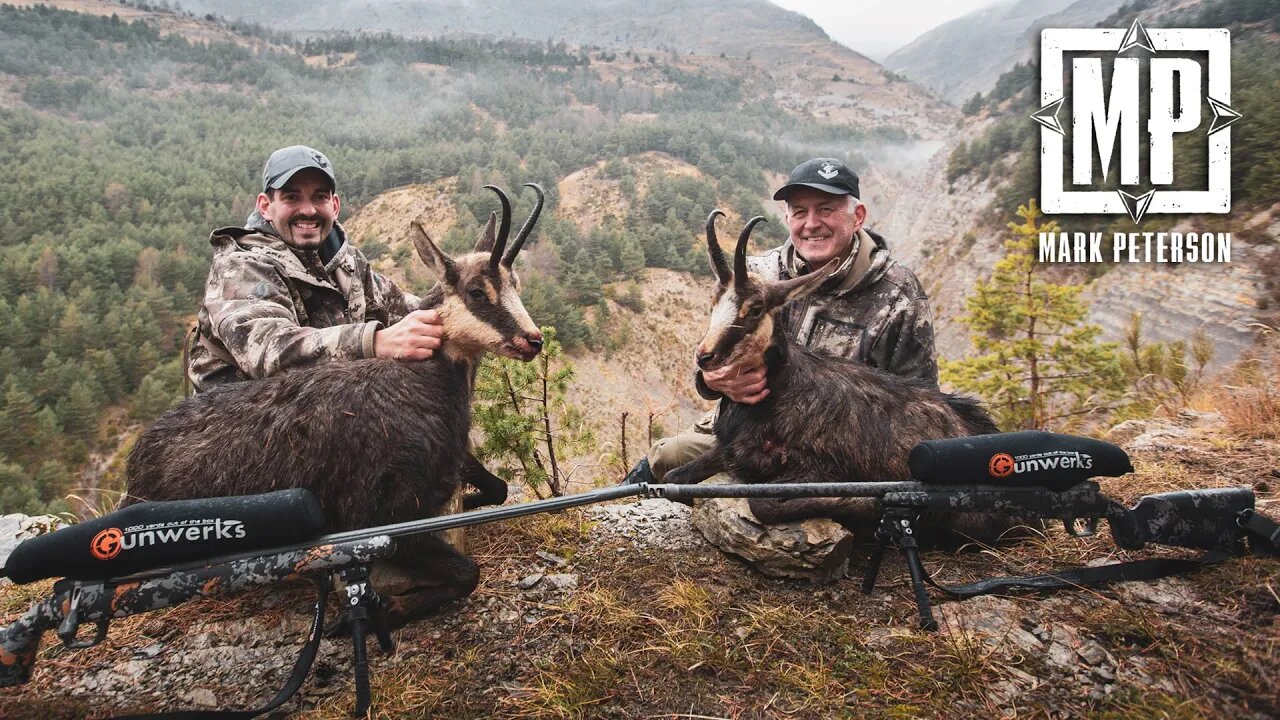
(286,162)
(826,174)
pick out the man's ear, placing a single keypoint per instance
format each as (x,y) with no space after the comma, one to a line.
(264,202)
(337,206)
(859,216)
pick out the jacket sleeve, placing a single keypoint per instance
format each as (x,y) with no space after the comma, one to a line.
(908,349)
(253,313)
(395,303)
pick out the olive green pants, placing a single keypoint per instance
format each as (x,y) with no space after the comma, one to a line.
(671,452)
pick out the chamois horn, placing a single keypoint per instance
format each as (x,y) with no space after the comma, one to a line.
(740,253)
(527,228)
(718,264)
(504,226)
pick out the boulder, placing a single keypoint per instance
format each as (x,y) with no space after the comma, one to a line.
(815,550)
(16,527)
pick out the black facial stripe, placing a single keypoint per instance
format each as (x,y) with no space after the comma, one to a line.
(498,318)
(734,335)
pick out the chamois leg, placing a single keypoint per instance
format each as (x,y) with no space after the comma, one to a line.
(425,573)
(698,469)
(492,489)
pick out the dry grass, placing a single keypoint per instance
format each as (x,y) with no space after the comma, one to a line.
(693,634)
(1249,400)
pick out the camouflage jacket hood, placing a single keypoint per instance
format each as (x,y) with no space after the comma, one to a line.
(269,307)
(872,310)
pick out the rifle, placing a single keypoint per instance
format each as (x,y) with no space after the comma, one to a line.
(341,559)
(1215,519)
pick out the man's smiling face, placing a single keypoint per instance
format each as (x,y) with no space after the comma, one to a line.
(304,210)
(821,224)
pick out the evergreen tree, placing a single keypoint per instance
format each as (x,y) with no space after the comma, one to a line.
(19,425)
(17,493)
(1038,364)
(158,391)
(52,481)
(78,409)
(632,257)
(1159,374)
(529,425)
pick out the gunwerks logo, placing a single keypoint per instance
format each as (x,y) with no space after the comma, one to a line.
(111,542)
(1002,465)
(1178,76)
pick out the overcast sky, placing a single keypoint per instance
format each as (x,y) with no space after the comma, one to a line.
(875,28)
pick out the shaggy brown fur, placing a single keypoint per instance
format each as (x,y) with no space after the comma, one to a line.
(378,441)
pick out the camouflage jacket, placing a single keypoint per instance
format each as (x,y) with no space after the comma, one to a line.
(269,307)
(872,310)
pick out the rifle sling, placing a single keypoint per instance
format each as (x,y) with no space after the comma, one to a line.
(1264,539)
(301,668)
(1150,569)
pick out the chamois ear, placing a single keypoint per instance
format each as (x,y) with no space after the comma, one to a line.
(780,293)
(488,234)
(432,255)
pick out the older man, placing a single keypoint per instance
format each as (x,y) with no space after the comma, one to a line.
(872,309)
(289,290)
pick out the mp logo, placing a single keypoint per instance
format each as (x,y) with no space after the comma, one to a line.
(1184,70)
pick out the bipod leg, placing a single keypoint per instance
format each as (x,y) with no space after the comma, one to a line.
(884,534)
(895,526)
(361,609)
(911,553)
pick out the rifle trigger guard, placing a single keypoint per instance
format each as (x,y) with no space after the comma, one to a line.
(1089,530)
(67,629)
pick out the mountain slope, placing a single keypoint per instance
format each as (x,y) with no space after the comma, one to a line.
(788,56)
(968,55)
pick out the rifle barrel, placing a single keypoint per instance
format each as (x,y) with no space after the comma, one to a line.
(413,527)
(650,490)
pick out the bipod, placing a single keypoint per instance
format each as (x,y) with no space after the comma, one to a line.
(895,527)
(362,609)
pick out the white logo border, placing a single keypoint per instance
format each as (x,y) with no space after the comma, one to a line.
(1055,200)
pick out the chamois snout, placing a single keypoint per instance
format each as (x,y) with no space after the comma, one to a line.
(527,345)
(704,358)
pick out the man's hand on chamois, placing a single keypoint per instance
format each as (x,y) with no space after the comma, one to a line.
(416,337)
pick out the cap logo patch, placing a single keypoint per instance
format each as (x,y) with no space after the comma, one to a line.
(828,171)
(319,159)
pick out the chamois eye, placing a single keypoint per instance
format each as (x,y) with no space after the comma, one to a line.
(476,294)
(755,311)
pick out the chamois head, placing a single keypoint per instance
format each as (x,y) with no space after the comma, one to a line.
(480,306)
(744,304)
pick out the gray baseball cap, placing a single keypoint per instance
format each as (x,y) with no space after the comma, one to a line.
(285,162)
(826,174)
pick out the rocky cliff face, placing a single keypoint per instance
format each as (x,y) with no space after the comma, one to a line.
(939,234)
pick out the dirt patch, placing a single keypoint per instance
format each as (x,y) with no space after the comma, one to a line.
(590,198)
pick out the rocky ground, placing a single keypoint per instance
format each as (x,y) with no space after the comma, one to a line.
(624,610)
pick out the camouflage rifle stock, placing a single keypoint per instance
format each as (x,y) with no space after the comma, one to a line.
(1216,520)
(79,602)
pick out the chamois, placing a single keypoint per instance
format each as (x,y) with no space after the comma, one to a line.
(826,419)
(379,440)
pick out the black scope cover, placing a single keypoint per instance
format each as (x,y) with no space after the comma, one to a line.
(1031,458)
(153,535)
